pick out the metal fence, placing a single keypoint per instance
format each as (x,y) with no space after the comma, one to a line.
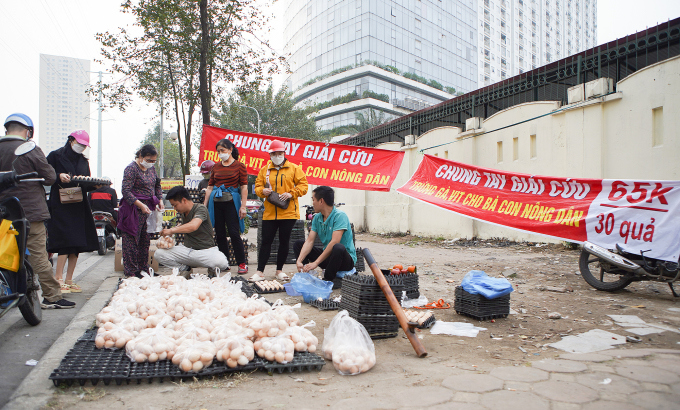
(616,60)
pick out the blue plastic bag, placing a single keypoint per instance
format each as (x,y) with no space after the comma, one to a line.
(478,282)
(311,287)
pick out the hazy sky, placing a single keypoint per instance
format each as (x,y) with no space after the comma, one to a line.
(67,27)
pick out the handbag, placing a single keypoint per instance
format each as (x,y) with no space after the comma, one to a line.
(70,195)
(274,198)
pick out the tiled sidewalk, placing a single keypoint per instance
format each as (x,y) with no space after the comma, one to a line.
(611,379)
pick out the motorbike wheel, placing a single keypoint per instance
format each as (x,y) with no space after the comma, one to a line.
(102,246)
(30,309)
(594,274)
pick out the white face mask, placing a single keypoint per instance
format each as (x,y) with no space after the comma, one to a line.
(225,157)
(146,165)
(277,159)
(78,148)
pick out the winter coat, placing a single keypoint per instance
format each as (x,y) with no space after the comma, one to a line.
(71,229)
(30,194)
(289,178)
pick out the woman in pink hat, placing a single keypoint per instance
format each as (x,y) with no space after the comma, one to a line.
(71,228)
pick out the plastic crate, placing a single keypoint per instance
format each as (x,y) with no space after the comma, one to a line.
(480,308)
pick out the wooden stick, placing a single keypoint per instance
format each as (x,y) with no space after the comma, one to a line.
(394,304)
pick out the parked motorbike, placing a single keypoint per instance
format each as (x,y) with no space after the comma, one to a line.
(19,288)
(609,270)
(106,230)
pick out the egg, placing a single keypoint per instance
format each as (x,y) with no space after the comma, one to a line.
(269,355)
(197,366)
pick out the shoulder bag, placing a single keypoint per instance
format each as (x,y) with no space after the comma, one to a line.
(70,195)
(274,198)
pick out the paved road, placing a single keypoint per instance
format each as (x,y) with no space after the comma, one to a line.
(20,342)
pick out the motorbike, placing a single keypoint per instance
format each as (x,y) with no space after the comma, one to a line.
(106,230)
(19,288)
(613,270)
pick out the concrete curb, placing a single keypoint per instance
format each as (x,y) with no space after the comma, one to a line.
(36,389)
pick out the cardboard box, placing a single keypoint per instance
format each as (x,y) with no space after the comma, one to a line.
(118,260)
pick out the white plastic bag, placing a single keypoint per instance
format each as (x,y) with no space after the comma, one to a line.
(349,345)
(455,329)
(154,222)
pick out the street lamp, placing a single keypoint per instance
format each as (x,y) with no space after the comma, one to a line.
(258,116)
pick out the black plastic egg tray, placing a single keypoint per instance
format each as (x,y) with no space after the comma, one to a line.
(427,323)
(378,326)
(260,290)
(480,308)
(89,180)
(326,304)
(363,309)
(84,362)
(301,361)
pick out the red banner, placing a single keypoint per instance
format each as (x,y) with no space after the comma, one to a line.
(638,215)
(341,166)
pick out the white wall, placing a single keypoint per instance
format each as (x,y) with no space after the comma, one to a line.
(607,137)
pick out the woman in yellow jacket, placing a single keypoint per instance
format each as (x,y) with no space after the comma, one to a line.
(290,182)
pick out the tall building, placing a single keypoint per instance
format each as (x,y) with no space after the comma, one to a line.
(516,36)
(396,57)
(64,104)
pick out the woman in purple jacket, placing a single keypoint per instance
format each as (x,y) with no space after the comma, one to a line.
(141,195)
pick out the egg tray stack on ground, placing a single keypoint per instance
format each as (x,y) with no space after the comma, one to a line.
(84,362)
(298,233)
(480,308)
(365,301)
(410,280)
(195,194)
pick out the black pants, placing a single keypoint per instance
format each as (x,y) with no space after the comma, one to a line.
(338,260)
(269,228)
(226,219)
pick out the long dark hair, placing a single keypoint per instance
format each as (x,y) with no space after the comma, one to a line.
(145,151)
(225,143)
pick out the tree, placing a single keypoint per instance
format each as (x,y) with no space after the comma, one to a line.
(188,50)
(278,114)
(172,163)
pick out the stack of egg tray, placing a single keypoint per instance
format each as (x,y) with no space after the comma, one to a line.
(84,362)
(480,308)
(232,257)
(411,286)
(298,233)
(365,301)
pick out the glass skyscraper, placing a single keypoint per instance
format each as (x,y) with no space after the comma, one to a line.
(393,56)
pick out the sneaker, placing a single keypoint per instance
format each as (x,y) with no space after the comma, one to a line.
(60,304)
(242,269)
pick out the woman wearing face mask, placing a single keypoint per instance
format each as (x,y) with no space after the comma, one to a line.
(290,182)
(71,228)
(141,194)
(225,198)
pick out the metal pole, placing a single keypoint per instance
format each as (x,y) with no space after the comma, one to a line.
(99,131)
(161,130)
(258,116)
